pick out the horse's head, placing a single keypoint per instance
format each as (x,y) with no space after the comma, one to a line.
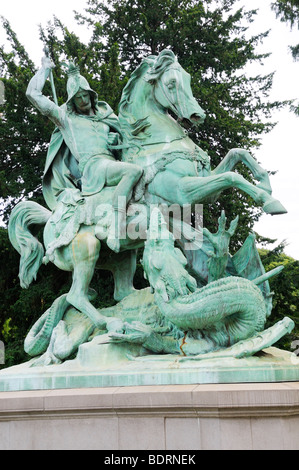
(172,89)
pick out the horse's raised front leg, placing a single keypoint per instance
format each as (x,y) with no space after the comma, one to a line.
(236,156)
(84,253)
(195,190)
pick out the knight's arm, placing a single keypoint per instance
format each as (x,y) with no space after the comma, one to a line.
(41,102)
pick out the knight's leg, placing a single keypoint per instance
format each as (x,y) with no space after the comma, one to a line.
(124,176)
(85,253)
(236,156)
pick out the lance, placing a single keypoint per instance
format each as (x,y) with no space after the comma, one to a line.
(268,275)
(47,54)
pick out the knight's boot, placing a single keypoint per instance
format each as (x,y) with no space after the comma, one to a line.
(104,224)
(113,241)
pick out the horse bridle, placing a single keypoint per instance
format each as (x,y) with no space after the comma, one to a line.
(166,94)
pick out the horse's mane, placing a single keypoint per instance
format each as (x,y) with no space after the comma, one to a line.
(150,69)
(162,61)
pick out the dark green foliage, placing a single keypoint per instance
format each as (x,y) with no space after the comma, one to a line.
(286,290)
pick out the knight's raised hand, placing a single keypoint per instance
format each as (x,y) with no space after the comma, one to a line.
(47,63)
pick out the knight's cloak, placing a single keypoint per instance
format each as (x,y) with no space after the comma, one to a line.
(61,168)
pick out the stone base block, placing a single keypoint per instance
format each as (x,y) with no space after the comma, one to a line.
(153,418)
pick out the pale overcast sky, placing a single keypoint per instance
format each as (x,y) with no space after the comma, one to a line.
(280,149)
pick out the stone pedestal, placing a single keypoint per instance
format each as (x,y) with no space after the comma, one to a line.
(113,402)
(173,417)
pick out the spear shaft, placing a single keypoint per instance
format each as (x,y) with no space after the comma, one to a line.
(46,51)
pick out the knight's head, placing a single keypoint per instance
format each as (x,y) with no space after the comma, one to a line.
(81,98)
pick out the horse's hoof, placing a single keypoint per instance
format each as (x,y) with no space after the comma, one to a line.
(274,207)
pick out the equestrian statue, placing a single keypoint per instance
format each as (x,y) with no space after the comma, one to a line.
(108,183)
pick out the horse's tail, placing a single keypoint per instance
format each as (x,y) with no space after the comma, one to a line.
(24,219)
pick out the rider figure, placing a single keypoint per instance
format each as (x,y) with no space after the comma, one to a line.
(89,128)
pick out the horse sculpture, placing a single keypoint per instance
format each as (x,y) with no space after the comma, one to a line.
(159,86)
(176,171)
